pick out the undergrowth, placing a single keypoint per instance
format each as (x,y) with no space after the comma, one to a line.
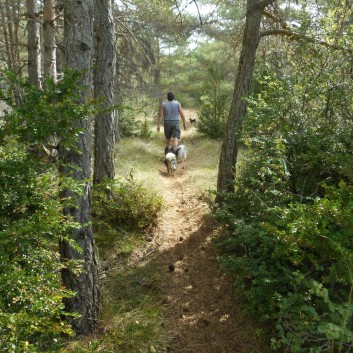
(124,211)
(289,223)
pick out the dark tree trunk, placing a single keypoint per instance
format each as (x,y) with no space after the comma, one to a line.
(6,35)
(78,47)
(33,42)
(105,88)
(242,89)
(10,15)
(157,76)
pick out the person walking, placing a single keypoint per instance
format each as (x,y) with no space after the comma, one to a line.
(170,111)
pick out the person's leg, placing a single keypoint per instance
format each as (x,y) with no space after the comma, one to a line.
(168,128)
(175,135)
(174,142)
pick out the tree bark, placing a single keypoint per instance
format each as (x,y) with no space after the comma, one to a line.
(78,47)
(10,16)
(4,21)
(105,88)
(49,39)
(242,89)
(157,74)
(33,42)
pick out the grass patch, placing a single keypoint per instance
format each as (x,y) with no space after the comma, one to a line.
(132,317)
(145,159)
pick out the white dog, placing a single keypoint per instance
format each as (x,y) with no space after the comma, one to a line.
(181,153)
(170,160)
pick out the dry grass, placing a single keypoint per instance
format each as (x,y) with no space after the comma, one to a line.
(145,159)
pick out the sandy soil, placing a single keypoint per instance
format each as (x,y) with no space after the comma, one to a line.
(203,314)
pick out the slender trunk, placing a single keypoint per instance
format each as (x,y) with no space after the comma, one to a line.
(157,75)
(34,54)
(78,47)
(15,26)
(105,85)
(12,42)
(9,30)
(242,89)
(4,21)
(49,39)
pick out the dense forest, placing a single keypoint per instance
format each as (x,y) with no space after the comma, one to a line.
(269,83)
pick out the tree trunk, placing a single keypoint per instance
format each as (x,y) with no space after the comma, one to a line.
(242,89)
(105,88)
(33,42)
(49,39)
(4,22)
(157,75)
(78,47)
(10,14)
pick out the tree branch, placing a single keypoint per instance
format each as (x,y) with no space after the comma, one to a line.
(289,33)
(265,3)
(180,14)
(276,19)
(198,11)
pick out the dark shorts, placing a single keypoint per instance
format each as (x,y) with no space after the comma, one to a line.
(171,129)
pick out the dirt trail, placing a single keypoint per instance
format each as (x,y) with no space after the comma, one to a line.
(203,315)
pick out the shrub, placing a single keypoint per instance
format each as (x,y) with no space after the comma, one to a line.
(145,131)
(31,217)
(295,269)
(32,224)
(212,116)
(128,123)
(126,205)
(288,224)
(215,101)
(131,125)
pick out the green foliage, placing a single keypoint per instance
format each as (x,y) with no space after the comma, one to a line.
(289,223)
(31,221)
(125,205)
(215,102)
(128,123)
(145,132)
(131,125)
(293,266)
(31,218)
(46,113)
(212,116)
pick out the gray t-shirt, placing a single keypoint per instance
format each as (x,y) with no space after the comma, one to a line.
(171,110)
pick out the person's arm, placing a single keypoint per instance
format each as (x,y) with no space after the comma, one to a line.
(182,116)
(160,116)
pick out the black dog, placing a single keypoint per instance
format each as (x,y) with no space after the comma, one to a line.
(192,121)
(168,149)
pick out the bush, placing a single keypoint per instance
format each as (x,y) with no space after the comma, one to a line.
(32,224)
(212,116)
(295,269)
(215,101)
(130,125)
(31,216)
(126,205)
(289,223)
